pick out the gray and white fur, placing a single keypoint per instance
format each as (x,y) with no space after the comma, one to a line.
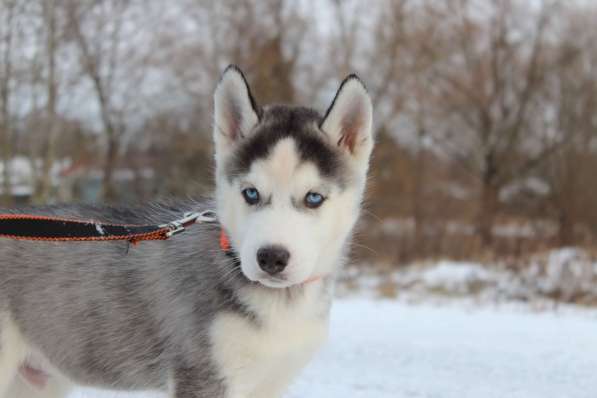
(183,316)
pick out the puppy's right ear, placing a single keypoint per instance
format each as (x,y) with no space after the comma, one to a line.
(235,110)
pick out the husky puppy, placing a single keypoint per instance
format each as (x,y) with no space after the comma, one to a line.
(185,316)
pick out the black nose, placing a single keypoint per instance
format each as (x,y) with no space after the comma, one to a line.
(272,259)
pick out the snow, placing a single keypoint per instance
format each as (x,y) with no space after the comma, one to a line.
(405,226)
(389,349)
(567,272)
(23,170)
(566,275)
(514,231)
(532,185)
(457,277)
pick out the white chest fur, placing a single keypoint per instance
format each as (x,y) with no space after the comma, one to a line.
(260,360)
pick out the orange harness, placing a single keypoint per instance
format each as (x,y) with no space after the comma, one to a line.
(224,241)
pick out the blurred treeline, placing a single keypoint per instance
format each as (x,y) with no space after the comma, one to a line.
(486,110)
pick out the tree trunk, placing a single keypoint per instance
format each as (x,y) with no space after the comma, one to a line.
(5,127)
(102,83)
(108,189)
(6,198)
(45,180)
(487,211)
(419,236)
(417,198)
(565,229)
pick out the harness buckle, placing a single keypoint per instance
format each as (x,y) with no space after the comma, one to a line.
(176,228)
(207,216)
(189,218)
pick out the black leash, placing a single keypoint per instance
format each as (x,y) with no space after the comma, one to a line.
(57,229)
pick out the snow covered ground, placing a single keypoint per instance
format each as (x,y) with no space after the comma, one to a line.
(389,349)
(566,275)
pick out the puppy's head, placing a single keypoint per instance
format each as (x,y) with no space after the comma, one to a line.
(289,181)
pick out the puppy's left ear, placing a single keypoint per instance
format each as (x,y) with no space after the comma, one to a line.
(348,121)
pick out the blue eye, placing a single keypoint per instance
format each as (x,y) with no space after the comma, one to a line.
(313,200)
(251,195)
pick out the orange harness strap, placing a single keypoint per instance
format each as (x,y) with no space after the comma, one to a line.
(224,241)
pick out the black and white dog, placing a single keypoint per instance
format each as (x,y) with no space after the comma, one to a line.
(182,315)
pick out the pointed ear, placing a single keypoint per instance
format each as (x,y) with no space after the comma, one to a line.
(348,120)
(235,110)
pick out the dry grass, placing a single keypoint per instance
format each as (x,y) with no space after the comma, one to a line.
(387,288)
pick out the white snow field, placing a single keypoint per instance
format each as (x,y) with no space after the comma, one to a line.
(388,349)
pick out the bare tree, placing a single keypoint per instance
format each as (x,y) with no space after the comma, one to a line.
(51,34)
(488,75)
(569,172)
(348,34)
(268,42)
(96,27)
(7,32)
(499,88)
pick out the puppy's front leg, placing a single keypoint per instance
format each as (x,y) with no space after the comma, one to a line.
(198,382)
